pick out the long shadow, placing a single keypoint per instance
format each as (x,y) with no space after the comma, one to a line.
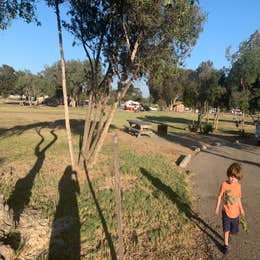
(183,140)
(101,216)
(65,236)
(185,208)
(21,194)
(233,159)
(2,160)
(165,119)
(77,126)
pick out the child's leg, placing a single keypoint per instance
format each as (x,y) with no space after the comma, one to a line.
(226,227)
(226,237)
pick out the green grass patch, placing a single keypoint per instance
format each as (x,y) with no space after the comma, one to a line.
(155,204)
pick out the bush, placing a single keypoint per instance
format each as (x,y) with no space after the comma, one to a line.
(206,128)
(193,127)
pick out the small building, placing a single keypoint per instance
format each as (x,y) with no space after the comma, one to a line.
(179,107)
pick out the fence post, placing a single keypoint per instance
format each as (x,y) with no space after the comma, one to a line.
(118,198)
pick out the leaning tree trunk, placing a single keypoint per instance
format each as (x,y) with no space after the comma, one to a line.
(64,88)
(96,127)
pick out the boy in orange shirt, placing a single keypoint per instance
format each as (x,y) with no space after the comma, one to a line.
(230,194)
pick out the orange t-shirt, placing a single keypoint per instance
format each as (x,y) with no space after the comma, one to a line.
(231,193)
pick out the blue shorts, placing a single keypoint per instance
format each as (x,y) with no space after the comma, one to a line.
(230,224)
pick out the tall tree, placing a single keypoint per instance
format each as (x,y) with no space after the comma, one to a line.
(167,83)
(126,37)
(201,95)
(7,80)
(244,74)
(55,4)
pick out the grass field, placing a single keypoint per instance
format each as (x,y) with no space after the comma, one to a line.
(157,202)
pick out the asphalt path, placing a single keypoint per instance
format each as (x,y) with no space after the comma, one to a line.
(208,169)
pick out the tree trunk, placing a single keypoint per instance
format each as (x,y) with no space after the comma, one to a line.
(104,131)
(216,116)
(73,102)
(243,122)
(201,114)
(64,88)
(118,198)
(207,111)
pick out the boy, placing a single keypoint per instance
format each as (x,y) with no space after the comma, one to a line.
(230,194)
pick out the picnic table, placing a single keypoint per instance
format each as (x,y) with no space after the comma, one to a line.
(139,127)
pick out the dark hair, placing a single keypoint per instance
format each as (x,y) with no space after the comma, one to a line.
(234,170)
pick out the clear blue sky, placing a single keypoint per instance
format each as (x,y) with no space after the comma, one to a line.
(229,23)
(26,46)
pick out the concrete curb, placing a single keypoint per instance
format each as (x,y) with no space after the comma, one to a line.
(185,161)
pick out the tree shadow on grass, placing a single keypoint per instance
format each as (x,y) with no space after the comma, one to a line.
(185,208)
(21,194)
(65,236)
(77,126)
(2,160)
(166,120)
(101,216)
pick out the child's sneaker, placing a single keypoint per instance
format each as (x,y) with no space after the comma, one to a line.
(225,250)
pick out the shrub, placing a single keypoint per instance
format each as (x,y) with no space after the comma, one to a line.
(206,128)
(193,127)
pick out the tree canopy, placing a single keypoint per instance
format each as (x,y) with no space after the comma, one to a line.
(244,74)
(11,9)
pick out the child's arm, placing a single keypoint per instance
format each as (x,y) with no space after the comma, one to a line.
(241,207)
(220,195)
(218,203)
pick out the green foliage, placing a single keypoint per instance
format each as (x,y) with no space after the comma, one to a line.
(133,94)
(244,74)
(206,128)
(133,35)
(7,80)
(10,9)
(193,127)
(244,223)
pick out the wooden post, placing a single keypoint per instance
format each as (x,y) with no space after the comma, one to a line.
(118,198)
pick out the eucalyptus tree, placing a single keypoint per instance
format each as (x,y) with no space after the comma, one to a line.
(55,4)
(126,37)
(11,9)
(7,80)
(52,76)
(190,92)
(167,84)
(77,80)
(25,85)
(133,93)
(244,75)
(218,98)
(202,90)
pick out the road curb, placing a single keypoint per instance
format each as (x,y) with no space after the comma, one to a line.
(185,161)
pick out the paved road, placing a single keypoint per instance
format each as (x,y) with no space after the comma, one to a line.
(209,170)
